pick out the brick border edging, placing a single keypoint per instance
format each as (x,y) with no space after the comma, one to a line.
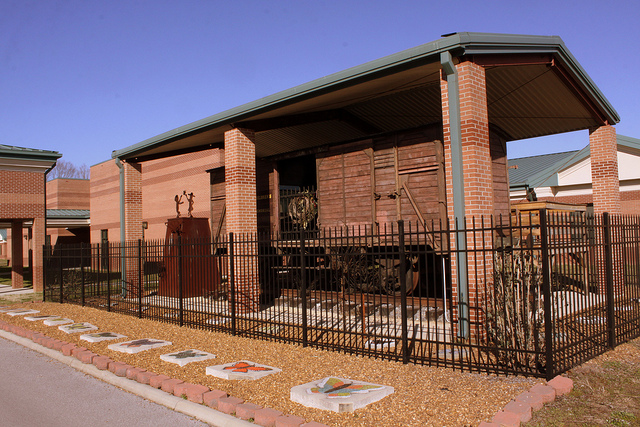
(225,406)
(520,409)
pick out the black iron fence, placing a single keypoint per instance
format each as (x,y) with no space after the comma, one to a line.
(532,295)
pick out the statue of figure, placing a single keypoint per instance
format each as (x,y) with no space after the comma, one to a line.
(179,201)
(190,197)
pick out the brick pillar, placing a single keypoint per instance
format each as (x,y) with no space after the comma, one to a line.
(241,214)
(16,254)
(133,223)
(478,179)
(37,269)
(603,145)
(604,170)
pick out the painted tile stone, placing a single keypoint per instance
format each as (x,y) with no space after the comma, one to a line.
(41,317)
(101,336)
(187,356)
(21,312)
(338,394)
(57,321)
(241,370)
(137,346)
(77,327)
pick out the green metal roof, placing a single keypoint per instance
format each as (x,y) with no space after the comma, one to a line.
(68,213)
(9,151)
(539,171)
(458,44)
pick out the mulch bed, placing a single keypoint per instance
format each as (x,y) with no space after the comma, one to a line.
(423,395)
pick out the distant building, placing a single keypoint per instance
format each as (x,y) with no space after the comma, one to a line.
(566,177)
(22,207)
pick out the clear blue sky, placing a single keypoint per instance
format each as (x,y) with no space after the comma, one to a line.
(85,77)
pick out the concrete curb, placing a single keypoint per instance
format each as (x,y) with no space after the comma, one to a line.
(200,412)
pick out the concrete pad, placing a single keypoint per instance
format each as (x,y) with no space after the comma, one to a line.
(77,327)
(136,346)
(380,344)
(101,336)
(187,356)
(21,312)
(41,317)
(339,394)
(57,321)
(241,370)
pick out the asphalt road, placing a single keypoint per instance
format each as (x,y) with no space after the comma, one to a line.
(38,391)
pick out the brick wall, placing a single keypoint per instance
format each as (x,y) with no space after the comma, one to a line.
(65,193)
(161,180)
(105,200)
(21,194)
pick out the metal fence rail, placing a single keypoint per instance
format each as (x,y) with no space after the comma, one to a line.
(546,292)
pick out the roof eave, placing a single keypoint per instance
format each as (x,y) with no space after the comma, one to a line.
(458,44)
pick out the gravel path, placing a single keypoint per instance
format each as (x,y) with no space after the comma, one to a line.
(423,395)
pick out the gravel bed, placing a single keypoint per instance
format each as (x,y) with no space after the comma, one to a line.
(423,395)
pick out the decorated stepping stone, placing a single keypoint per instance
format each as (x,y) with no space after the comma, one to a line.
(21,312)
(338,394)
(241,370)
(41,317)
(77,327)
(137,346)
(57,321)
(187,356)
(101,336)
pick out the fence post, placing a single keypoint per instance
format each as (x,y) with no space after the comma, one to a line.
(403,292)
(139,279)
(546,292)
(232,285)
(61,274)
(180,301)
(303,290)
(608,260)
(108,274)
(82,290)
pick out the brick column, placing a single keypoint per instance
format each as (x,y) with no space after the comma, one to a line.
(241,214)
(133,222)
(605,180)
(37,269)
(478,178)
(604,170)
(16,254)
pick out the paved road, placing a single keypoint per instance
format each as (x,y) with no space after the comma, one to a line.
(38,391)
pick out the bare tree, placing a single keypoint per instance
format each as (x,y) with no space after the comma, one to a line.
(64,169)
